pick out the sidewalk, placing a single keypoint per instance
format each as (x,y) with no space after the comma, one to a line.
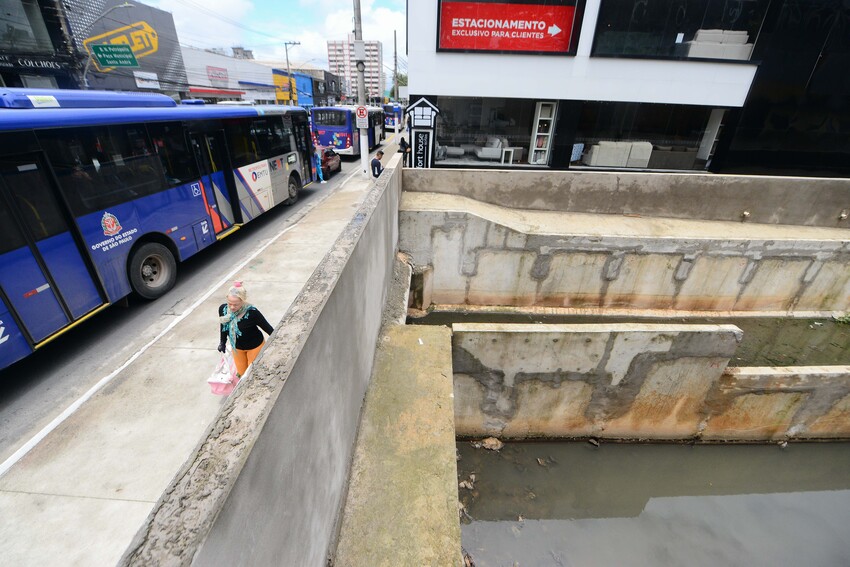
(82,493)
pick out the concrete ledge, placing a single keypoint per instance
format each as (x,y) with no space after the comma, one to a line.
(771,200)
(266,484)
(402,500)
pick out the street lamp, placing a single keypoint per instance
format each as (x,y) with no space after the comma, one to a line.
(91,25)
(286,45)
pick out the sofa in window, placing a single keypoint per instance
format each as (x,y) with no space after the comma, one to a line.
(492,149)
(619,154)
(720,44)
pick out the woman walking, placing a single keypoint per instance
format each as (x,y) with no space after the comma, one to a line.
(240,325)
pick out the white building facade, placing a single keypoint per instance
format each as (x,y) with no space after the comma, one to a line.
(580,83)
(218,78)
(342,62)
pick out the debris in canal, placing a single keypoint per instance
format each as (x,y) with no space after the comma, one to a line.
(593,442)
(491,444)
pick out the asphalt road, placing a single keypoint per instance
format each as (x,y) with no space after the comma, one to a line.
(34,391)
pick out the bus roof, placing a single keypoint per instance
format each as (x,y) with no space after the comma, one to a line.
(67,98)
(39,118)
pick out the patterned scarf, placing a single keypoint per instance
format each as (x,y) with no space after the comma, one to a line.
(230,321)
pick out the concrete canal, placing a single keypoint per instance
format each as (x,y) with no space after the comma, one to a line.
(573,503)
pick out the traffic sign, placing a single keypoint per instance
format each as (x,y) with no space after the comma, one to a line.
(362,117)
(114,55)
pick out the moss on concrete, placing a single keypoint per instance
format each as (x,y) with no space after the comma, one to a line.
(402,500)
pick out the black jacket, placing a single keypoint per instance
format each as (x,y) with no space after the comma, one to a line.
(249,326)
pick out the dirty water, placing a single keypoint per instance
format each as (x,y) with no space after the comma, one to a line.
(766,342)
(576,504)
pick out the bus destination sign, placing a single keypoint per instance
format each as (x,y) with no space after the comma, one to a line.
(521,27)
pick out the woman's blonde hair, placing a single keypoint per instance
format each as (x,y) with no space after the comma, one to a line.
(238,290)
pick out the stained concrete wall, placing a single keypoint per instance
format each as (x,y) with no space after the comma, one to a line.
(624,381)
(634,381)
(800,402)
(266,485)
(776,200)
(479,254)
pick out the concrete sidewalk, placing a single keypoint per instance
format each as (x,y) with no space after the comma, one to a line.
(81,494)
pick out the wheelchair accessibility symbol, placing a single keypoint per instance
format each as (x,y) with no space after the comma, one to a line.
(196,189)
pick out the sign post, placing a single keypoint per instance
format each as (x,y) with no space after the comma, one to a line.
(114,55)
(362,117)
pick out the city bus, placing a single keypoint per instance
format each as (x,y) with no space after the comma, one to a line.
(102,194)
(336,127)
(392,115)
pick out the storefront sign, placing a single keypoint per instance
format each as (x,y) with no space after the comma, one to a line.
(421,148)
(217,75)
(146,80)
(513,27)
(31,63)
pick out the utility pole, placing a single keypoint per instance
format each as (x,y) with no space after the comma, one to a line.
(286,45)
(396,119)
(360,58)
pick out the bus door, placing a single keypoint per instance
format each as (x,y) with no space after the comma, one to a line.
(211,154)
(46,277)
(304,143)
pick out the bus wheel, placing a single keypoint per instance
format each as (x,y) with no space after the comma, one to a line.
(294,187)
(153,270)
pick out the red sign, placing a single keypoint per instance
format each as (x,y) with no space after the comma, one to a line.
(486,26)
(361,112)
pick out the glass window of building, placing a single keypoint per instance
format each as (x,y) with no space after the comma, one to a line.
(484,130)
(22,28)
(681,29)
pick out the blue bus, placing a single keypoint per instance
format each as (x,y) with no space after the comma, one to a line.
(392,115)
(336,127)
(102,194)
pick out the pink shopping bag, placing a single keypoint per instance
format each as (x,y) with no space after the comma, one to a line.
(224,377)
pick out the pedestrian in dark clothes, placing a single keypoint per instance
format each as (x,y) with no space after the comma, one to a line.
(377,168)
(240,324)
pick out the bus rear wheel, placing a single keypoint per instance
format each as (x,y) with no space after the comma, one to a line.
(153,270)
(294,187)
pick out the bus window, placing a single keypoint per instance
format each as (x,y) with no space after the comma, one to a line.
(169,144)
(10,236)
(243,147)
(102,167)
(272,139)
(330,118)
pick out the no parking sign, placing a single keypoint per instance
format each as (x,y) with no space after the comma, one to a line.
(362,117)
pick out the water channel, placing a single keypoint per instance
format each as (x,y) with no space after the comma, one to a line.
(576,504)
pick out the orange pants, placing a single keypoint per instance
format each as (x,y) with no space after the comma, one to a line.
(244,358)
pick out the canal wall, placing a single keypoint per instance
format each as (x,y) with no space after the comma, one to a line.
(623,381)
(636,382)
(793,402)
(803,201)
(267,483)
(474,253)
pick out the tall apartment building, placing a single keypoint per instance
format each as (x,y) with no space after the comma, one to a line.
(342,63)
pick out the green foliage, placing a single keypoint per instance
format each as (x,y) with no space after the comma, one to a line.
(844,319)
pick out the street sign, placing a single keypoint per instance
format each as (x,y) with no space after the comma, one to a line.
(362,117)
(114,55)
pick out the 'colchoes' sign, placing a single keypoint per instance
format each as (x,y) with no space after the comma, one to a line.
(519,27)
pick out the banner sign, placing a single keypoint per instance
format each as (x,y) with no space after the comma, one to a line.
(511,27)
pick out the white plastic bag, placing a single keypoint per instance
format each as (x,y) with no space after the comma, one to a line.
(224,378)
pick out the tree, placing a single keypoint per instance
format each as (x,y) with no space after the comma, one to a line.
(402,82)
